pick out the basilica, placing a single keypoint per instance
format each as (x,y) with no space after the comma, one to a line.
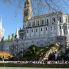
(45,29)
(42,30)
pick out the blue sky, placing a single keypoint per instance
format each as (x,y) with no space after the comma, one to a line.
(8,13)
(10,19)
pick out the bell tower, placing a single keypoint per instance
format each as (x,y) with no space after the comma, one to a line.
(27,10)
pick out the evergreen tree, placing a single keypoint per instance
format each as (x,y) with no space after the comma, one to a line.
(8,37)
(13,37)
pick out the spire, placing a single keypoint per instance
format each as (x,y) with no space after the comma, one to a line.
(27,10)
(17,33)
(1,29)
(1,19)
(1,26)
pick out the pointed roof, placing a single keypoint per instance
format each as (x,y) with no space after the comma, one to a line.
(17,33)
(27,2)
(27,10)
(1,23)
(1,27)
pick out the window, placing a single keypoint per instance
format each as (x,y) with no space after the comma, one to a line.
(38,23)
(66,19)
(36,30)
(46,28)
(26,12)
(60,27)
(53,19)
(42,22)
(60,19)
(41,29)
(47,21)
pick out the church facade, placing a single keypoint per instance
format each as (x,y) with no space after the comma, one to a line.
(44,29)
(39,30)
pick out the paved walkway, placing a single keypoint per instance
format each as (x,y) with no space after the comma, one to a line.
(28,68)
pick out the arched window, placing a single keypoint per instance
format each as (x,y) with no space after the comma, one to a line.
(60,27)
(26,12)
(42,22)
(36,30)
(60,19)
(66,19)
(38,23)
(41,29)
(53,19)
(65,29)
(47,21)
